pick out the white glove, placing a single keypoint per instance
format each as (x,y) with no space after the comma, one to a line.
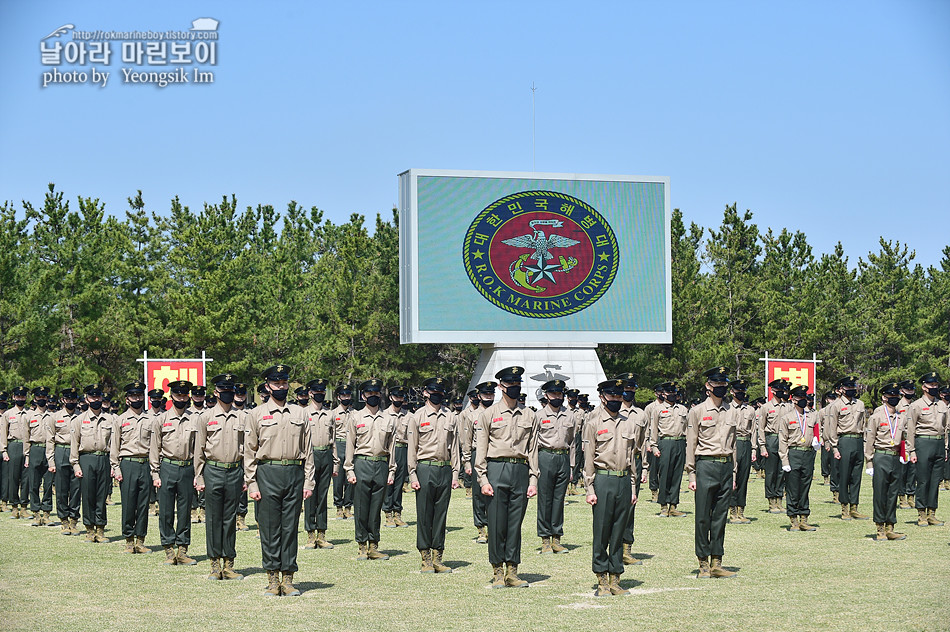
(786,468)
(815,443)
(870,471)
(902,460)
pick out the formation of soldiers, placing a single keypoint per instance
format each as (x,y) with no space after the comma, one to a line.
(285,452)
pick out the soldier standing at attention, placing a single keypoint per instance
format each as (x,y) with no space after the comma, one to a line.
(392,502)
(57,455)
(506,463)
(886,429)
(198,396)
(433,462)
(745,450)
(486,397)
(610,452)
(577,464)
(131,438)
(926,446)
(90,440)
(369,466)
(908,470)
(218,473)
(242,410)
(325,464)
(38,473)
(847,421)
(555,459)
(668,444)
(829,468)
(278,470)
(711,465)
(156,408)
(342,490)
(15,448)
(465,436)
(767,422)
(171,457)
(641,426)
(654,475)
(4,406)
(797,440)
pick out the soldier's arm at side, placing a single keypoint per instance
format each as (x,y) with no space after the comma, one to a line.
(692,439)
(201,440)
(306,449)
(412,458)
(251,445)
(481,448)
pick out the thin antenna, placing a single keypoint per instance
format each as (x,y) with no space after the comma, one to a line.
(534,133)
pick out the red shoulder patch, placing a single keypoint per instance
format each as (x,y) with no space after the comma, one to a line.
(266,417)
(545,421)
(600,432)
(498,419)
(707,418)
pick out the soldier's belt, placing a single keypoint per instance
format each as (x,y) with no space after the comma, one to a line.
(928,436)
(743,438)
(321,448)
(282,461)
(673,437)
(178,463)
(718,459)
(14,441)
(614,472)
(435,463)
(800,449)
(64,446)
(400,444)
(135,459)
(851,434)
(891,452)
(505,459)
(371,458)
(96,452)
(771,434)
(225,466)
(554,450)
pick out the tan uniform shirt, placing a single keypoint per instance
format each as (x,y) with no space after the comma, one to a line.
(886,430)
(790,430)
(506,433)
(323,430)
(369,434)
(467,424)
(90,432)
(745,422)
(275,432)
(173,438)
(925,418)
(667,420)
(711,431)
(340,415)
(38,423)
(610,443)
(432,436)
(556,428)
(58,428)
(768,416)
(845,417)
(400,419)
(219,437)
(648,411)
(131,436)
(15,424)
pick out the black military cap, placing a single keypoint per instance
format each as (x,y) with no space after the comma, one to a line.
(135,387)
(224,381)
(553,386)
(180,387)
(359,405)
(301,390)
(240,388)
(106,397)
(799,391)
(572,392)
(3,396)
(780,384)
(458,399)
(849,381)
(510,374)
(19,390)
(344,389)
(277,373)
(156,393)
(434,384)
(373,385)
(630,378)
(486,387)
(759,400)
(68,392)
(891,388)
(399,390)
(262,388)
(658,388)
(830,395)
(318,385)
(717,374)
(612,387)
(472,393)
(40,391)
(92,390)
(198,390)
(945,389)
(930,378)
(740,385)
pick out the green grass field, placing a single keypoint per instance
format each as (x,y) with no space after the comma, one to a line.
(832,579)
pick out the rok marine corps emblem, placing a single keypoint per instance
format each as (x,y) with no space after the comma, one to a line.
(540,254)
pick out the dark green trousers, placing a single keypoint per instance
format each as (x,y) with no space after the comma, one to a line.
(479,501)
(909,478)
(611,517)
(850,468)
(713,493)
(946,466)
(40,476)
(774,476)
(67,485)
(178,487)
(432,505)
(798,481)
(94,487)
(628,536)
(315,507)
(577,474)
(671,463)
(654,479)
(222,494)
(134,486)
(16,475)
(278,514)
(829,468)
(342,490)
(744,469)
(506,510)
(886,486)
(368,494)
(555,471)
(393,498)
(929,471)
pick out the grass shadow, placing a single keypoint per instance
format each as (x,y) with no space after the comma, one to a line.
(304,587)
(393,552)
(643,556)
(629,583)
(533,578)
(453,564)
(339,542)
(451,529)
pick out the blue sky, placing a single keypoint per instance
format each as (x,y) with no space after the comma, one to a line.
(828,117)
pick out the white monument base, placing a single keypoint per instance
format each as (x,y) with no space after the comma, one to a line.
(578,365)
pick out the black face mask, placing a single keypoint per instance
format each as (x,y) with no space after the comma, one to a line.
(629,396)
(40,402)
(373,400)
(933,392)
(612,406)
(487,402)
(892,400)
(802,403)
(226,397)
(346,401)
(302,401)
(95,405)
(555,403)
(279,394)
(436,398)
(850,392)
(156,404)
(19,402)
(136,404)
(70,406)
(319,397)
(719,391)
(180,404)
(514,392)
(397,403)
(571,401)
